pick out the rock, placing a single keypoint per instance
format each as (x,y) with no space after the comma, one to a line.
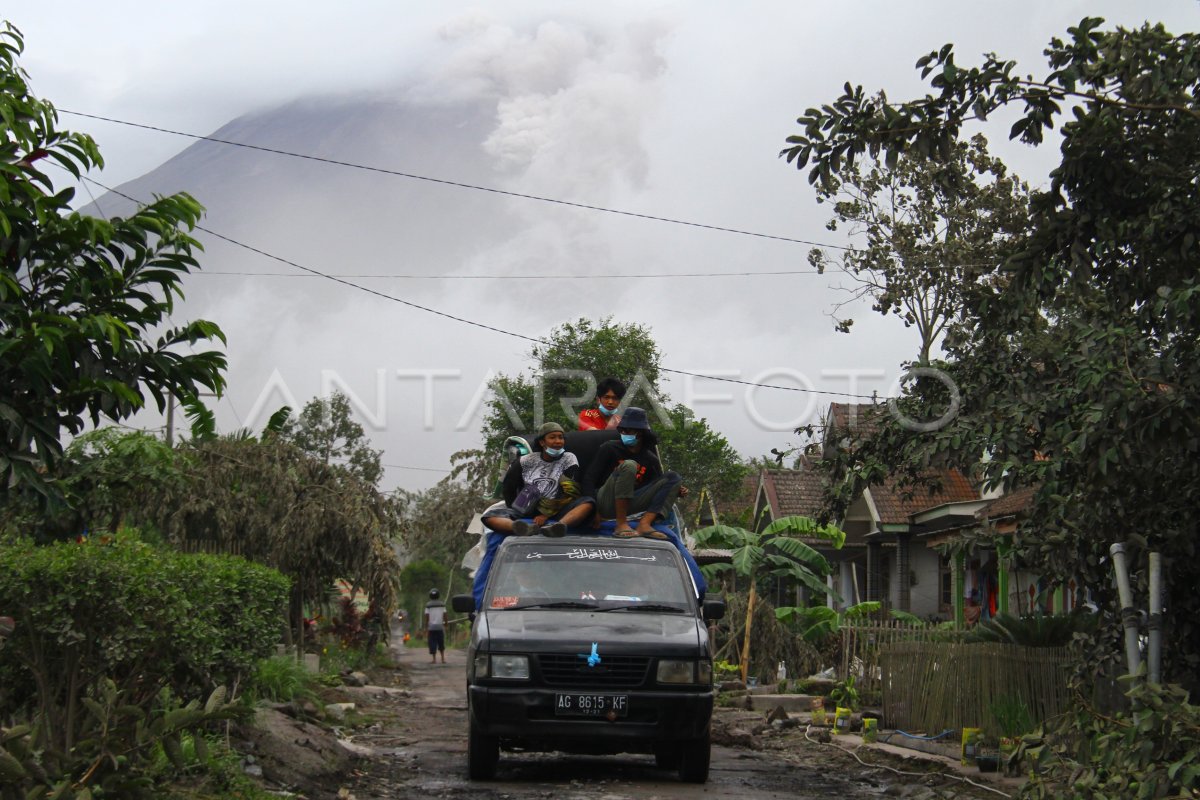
(355,678)
(338,710)
(822,735)
(732,737)
(731,686)
(776,714)
(293,752)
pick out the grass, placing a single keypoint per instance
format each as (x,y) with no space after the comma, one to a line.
(282,679)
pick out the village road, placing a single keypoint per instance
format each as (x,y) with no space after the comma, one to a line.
(420,751)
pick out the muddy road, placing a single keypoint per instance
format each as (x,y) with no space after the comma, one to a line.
(417,748)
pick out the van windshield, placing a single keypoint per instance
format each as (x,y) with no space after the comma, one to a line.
(557,574)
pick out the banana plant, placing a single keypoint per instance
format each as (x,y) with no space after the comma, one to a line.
(818,622)
(777,551)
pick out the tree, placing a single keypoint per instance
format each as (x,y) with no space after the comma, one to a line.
(774,552)
(929,229)
(563,379)
(273,503)
(1076,358)
(325,430)
(83,300)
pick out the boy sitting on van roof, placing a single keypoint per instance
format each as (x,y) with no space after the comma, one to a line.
(543,485)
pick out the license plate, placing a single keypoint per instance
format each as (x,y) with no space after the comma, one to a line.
(591,705)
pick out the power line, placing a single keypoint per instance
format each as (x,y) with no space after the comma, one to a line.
(458,184)
(419,469)
(419,307)
(524,277)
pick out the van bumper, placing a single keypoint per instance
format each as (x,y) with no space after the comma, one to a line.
(526,715)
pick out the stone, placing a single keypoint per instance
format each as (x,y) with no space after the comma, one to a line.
(777,713)
(338,710)
(293,752)
(355,679)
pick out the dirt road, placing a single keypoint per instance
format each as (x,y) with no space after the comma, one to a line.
(419,750)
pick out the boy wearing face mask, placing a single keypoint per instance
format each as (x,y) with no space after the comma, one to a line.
(604,416)
(626,478)
(543,485)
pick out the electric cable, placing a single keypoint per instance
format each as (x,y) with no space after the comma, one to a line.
(458,184)
(484,326)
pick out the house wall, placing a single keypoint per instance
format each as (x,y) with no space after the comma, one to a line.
(923,595)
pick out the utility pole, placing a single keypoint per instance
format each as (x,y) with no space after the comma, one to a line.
(171,415)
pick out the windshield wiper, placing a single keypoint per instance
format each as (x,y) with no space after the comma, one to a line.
(648,607)
(559,604)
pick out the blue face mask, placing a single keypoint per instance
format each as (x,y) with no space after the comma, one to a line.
(608,412)
(629,439)
(554,452)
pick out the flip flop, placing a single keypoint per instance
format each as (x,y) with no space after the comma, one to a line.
(522,528)
(625,533)
(655,534)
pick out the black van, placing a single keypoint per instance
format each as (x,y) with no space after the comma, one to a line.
(590,644)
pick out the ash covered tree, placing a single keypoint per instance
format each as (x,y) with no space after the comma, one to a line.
(1076,357)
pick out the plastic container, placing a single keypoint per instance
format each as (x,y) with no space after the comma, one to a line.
(841,720)
(818,711)
(870,731)
(971,738)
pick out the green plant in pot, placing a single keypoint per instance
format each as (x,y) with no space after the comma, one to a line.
(844,694)
(1012,719)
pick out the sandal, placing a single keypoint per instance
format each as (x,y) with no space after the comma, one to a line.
(654,534)
(625,533)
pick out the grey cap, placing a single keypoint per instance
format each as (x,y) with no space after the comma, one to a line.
(549,427)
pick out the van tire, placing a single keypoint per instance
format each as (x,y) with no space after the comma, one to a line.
(483,753)
(694,758)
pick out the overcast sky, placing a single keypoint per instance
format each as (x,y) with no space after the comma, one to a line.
(667,109)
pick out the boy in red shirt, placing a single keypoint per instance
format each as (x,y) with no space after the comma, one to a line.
(604,416)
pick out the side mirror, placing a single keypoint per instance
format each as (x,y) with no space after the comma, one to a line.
(714,609)
(465,603)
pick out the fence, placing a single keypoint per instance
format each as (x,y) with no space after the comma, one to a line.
(863,640)
(932,686)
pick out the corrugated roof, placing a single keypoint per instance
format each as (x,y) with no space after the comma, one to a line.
(861,419)
(1008,505)
(896,505)
(794,491)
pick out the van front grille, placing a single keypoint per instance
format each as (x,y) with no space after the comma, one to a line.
(611,672)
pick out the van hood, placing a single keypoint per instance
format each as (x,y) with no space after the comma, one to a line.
(569,630)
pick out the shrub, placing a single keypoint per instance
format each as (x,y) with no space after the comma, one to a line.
(146,620)
(282,679)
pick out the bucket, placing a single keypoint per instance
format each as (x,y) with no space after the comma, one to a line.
(841,720)
(971,738)
(818,710)
(870,729)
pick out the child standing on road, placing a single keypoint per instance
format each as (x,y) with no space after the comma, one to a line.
(435,626)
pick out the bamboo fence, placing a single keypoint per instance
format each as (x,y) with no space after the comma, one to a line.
(863,641)
(935,686)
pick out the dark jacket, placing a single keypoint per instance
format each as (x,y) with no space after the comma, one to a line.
(613,453)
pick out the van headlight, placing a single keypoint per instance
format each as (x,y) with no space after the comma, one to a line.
(684,671)
(506,667)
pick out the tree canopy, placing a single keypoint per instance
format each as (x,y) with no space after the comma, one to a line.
(1076,357)
(927,228)
(83,301)
(562,381)
(325,430)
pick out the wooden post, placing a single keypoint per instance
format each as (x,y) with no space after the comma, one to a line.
(1003,549)
(746,639)
(960,580)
